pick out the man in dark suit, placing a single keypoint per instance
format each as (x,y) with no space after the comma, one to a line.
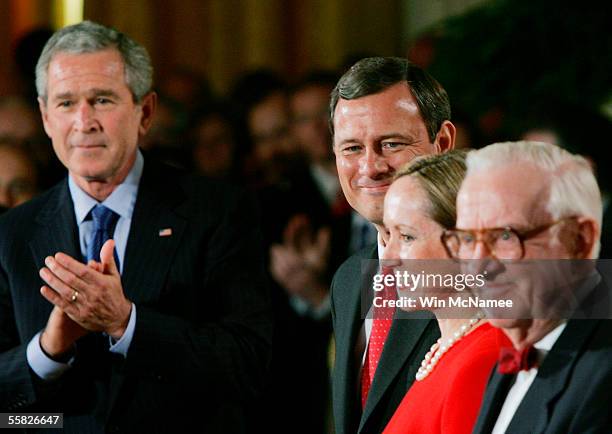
(384,112)
(546,224)
(173,307)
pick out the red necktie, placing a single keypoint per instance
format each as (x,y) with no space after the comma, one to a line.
(512,361)
(382,318)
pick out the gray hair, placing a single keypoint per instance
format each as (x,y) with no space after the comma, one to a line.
(573,187)
(90,37)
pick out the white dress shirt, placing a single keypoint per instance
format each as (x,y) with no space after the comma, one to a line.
(367,323)
(523,381)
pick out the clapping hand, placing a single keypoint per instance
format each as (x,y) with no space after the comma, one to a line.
(87,298)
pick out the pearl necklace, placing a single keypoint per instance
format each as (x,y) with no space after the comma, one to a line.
(437,350)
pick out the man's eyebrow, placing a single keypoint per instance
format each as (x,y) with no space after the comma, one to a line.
(521,227)
(517,227)
(92,93)
(103,92)
(349,140)
(409,138)
(63,95)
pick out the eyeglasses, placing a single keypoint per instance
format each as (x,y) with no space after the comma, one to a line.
(503,243)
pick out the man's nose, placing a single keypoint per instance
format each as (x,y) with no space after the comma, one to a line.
(483,261)
(476,261)
(85,118)
(373,164)
(481,250)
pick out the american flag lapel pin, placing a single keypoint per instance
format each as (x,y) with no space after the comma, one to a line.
(166,232)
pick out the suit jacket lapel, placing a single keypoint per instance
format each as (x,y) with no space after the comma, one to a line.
(492,402)
(148,254)
(56,231)
(347,360)
(535,410)
(403,336)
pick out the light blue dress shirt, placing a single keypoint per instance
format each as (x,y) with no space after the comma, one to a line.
(121,201)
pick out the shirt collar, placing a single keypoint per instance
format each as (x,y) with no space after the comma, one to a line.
(547,342)
(121,200)
(380,246)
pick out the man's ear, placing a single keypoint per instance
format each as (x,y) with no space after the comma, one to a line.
(445,139)
(42,105)
(585,237)
(148,106)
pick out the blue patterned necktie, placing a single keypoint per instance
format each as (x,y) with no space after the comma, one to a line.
(104,221)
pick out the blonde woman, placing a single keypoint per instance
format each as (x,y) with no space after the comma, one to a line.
(419,207)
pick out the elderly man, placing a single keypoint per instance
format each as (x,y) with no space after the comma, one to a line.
(558,379)
(384,113)
(174,307)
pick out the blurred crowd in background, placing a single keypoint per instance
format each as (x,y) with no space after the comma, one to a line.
(270,133)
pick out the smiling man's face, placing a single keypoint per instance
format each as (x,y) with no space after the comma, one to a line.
(374,136)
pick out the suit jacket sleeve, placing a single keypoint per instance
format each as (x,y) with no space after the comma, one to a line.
(17,388)
(217,338)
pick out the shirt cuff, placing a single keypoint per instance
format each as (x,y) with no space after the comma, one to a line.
(123,344)
(42,365)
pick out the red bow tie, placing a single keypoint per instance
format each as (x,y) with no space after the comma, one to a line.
(512,361)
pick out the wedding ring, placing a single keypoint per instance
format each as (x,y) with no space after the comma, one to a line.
(74,297)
